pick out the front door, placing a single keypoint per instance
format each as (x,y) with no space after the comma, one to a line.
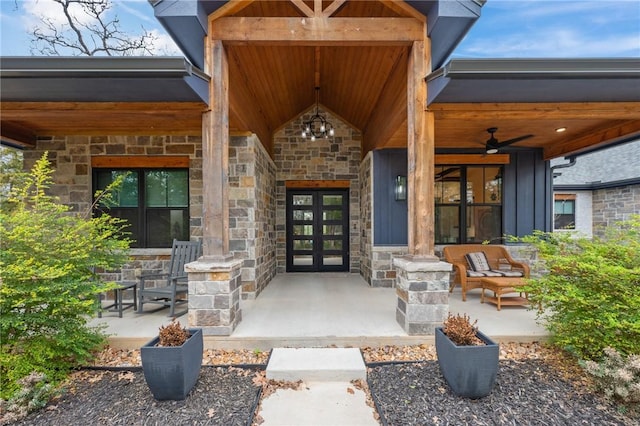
(317,230)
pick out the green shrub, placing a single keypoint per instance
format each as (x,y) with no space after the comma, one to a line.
(616,376)
(34,394)
(590,291)
(48,258)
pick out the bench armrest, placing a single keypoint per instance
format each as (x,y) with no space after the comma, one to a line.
(462,271)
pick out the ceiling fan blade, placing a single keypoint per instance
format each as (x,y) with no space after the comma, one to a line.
(512,141)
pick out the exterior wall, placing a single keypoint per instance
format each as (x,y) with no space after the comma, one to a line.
(324,159)
(70,157)
(583,213)
(614,204)
(366,217)
(251,193)
(252,212)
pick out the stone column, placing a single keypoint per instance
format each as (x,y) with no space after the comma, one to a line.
(422,288)
(422,280)
(214,279)
(214,296)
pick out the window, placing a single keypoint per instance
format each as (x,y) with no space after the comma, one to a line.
(155,202)
(468,204)
(564,211)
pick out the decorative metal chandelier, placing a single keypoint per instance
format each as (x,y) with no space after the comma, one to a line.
(317,126)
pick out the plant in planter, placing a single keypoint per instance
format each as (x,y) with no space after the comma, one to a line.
(468,359)
(171,362)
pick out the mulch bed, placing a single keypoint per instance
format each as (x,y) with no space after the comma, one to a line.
(535,386)
(526,393)
(222,396)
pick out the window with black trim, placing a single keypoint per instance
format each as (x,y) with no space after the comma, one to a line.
(468,204)
(155,203)
(564,212)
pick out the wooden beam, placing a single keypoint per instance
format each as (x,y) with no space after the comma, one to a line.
(140,161)
(230,8)
(420,153)
(403,9)
(596,138)
(532,111)
(317,184)
(332,8)
(471,159)
(318,31)
(215,156)
(302,7)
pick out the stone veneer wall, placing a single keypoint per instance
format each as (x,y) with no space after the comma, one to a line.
(324,159)
(252,215)
(70,156)
(366,216)
(613,205)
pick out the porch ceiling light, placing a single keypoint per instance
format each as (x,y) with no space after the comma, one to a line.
(317,126)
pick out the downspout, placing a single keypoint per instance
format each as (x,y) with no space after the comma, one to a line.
(572,162)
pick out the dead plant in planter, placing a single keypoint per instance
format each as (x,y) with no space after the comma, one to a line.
(462,331)
(468,358)
(173,334)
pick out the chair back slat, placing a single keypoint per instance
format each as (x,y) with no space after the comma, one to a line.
(183,252)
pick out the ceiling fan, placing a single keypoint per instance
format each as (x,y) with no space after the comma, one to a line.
(493,145)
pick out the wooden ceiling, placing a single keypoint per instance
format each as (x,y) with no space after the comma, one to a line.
(271,84)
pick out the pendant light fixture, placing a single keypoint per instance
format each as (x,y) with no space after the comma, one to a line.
(318,126)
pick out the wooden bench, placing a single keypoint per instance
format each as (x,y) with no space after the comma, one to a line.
(499,260)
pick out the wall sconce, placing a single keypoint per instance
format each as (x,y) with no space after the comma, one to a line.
(401,188)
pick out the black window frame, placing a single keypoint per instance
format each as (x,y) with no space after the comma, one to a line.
(143,238)
(464,205)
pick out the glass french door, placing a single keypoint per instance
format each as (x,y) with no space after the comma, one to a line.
(317,230)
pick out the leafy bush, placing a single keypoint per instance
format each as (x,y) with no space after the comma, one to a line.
(590,293)
(48,290)
(616,376)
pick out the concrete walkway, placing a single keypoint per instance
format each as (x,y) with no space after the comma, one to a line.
(326,397)
(325,309)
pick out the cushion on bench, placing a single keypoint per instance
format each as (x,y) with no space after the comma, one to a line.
(477,261)
(479,267)
(494,273)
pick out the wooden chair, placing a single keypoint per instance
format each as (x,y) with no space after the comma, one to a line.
(182,252)
(501,264)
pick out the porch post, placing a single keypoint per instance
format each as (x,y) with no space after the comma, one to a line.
(422,281)
(214,280)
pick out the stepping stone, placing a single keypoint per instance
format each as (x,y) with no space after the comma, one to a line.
(316,364)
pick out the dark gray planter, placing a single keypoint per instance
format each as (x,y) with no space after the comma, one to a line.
(470,371)
(171,372)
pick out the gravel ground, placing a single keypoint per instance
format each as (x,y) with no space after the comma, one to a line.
(526,393)
(222,396)
(535,386)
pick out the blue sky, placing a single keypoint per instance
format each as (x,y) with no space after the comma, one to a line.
(506,29)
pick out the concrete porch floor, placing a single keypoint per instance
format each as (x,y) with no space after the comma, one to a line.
(324,309)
